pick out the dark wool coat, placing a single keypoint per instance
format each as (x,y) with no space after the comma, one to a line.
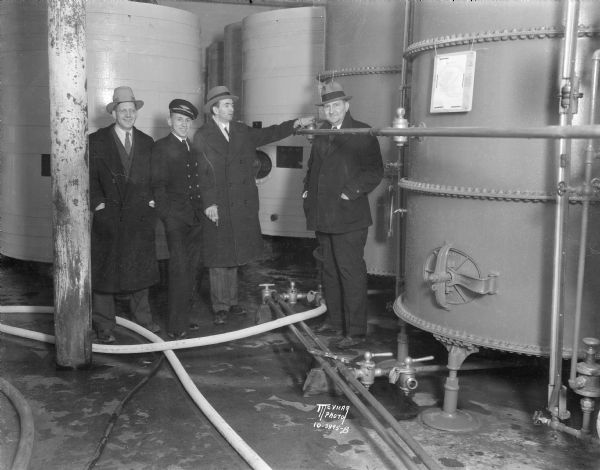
(123,245)
(228,174)
(349,164)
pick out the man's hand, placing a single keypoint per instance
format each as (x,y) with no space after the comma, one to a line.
(304,121)
(344,197)
(99,207)
(212,213)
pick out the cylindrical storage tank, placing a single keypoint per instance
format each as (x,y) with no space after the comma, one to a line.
(214,65)
(282,52)
(481,212)
(364,54)
(232,63)
(128,43)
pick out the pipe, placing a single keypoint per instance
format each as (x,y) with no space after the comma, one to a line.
(372,401)
(587,192)
(330,371)
(548,132)
(25,447)
(169,345)
(562,209)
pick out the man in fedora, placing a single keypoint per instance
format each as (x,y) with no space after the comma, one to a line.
(342,170)
(227,152)
(176,185)
(123,260)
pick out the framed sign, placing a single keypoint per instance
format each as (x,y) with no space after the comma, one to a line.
(453,77)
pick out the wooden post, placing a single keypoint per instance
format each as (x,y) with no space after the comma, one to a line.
(70,182)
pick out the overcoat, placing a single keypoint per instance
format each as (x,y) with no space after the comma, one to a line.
(228,180)
(123,233)
(344,163)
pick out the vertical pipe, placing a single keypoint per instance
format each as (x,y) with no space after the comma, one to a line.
(70,182)
(402,348)
(562,206)
(587,193)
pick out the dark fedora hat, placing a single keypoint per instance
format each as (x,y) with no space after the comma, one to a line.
(332,91)
(123,94)
(216,94)
(184,107)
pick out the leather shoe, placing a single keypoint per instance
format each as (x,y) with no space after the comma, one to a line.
(194,327)
(328,329)
(105,337)
(220,317)
(348,342)
(237,310)
(178,335)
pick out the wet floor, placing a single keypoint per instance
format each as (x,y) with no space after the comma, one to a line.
(258,386)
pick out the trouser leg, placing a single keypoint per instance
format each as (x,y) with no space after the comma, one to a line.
(180,283)
(348,251)
(103,311)
(140,307)
(331,283)
(223,287)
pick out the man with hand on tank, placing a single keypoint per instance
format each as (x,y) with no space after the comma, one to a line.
(176,186)
(227,152)
(123,257)
(342,170)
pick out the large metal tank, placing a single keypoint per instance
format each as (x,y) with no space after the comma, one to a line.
(364,53)
(282,52)
(128,43)
(482,210)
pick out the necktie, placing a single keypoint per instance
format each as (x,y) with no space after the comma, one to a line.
(226,133)
(127,143)
(185,143)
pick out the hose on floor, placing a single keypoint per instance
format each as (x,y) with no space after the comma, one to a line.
(26,437)
(117,412)
(240,446)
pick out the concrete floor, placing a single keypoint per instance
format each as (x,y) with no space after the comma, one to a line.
(256,386)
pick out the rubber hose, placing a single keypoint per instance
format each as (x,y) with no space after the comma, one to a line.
(25,447)
(169,345)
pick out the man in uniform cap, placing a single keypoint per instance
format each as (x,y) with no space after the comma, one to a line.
(176,185)
(342,170)
(227,151)
(123,261)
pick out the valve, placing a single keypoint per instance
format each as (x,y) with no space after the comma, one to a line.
(400,122)
(587,382)
(266,292)
(367,371)
(314,298)
(404,375)
(292,294)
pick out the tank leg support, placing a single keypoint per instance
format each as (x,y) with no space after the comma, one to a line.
(450,418)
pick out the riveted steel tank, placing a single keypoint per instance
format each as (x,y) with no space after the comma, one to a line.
(481,211)
(364,54)
(151,48)
(282,52)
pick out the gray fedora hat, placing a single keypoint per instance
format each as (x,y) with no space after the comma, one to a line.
(123,94)
(216,94)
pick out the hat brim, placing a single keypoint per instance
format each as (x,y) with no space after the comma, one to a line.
(343,98)
(110,107)
(209,104)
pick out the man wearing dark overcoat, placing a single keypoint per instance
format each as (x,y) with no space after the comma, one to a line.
(342,170)
(227,152)
(176,185)
(124,263)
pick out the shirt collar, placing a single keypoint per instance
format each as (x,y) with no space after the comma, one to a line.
(121,133)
